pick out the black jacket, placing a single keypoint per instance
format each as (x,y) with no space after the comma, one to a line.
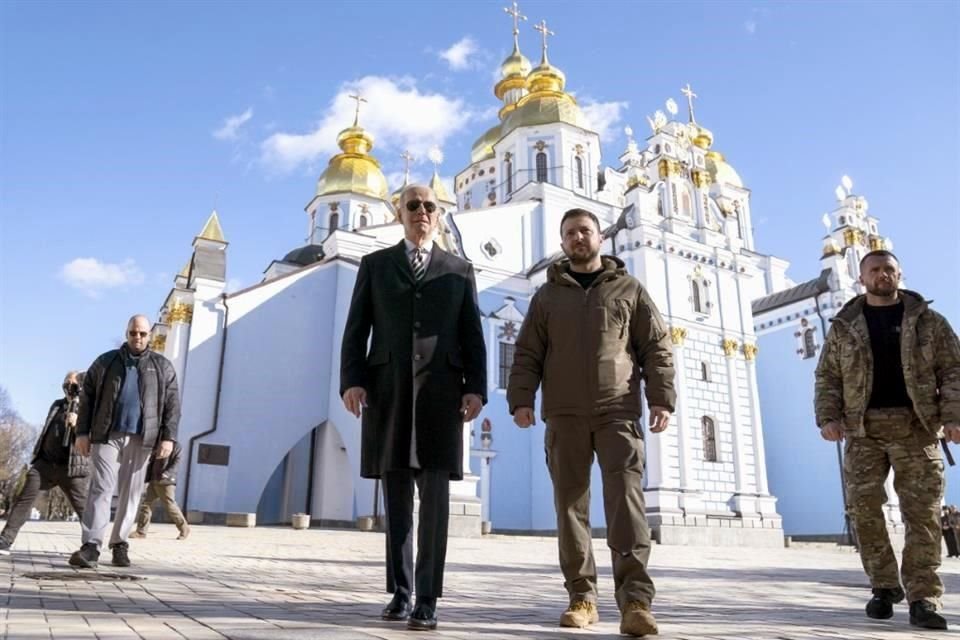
(159,397)
(78,467)
(426,352)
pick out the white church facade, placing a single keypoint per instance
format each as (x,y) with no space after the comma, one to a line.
(263,425)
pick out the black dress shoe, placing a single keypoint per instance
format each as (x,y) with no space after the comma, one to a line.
(924,614)
(423,618)
(398,609)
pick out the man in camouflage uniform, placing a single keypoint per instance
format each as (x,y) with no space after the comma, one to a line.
(888,380)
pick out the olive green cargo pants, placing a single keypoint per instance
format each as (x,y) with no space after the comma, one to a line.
(570,444)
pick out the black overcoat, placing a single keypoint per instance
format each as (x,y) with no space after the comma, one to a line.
(426,351)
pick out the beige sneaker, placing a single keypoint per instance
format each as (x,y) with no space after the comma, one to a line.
(580,614)
(184,532)
(637,620)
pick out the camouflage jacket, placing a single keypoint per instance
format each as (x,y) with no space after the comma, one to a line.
(930,353)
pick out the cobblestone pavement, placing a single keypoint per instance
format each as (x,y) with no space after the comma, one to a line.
(277,583)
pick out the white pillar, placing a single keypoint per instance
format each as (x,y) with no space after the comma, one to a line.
(739,457)
(179,317)
(684,453)
(466,488)
(759,456)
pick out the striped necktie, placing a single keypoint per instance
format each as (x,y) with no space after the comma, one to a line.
(417,263)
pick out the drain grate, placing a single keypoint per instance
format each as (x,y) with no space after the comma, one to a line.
(78,576)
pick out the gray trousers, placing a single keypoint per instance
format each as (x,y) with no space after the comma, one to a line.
(119,464)
(570,445)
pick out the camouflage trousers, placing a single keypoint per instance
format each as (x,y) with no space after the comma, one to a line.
(895,439)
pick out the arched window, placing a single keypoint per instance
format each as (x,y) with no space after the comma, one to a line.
(709,439)
(697,297)
(809,344)
(541,167)
(363,220)
(334,220)
(685,204)
(578,165)
(704,372)
(508,169)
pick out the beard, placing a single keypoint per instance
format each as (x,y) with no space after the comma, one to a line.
(581,254)
(882,289)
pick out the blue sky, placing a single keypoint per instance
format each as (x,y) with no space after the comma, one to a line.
(124,124)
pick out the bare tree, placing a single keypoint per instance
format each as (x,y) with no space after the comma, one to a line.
(16,443)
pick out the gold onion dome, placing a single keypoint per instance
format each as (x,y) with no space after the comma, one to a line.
(720,171)
(516,64)
(704,137)
(354,170)
(483,147)
(547,102)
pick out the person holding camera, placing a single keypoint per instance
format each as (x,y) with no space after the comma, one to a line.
(129,407)
(55,462)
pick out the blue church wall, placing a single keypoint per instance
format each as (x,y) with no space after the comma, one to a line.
(802,468)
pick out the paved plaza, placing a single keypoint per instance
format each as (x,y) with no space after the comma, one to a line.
(278,583)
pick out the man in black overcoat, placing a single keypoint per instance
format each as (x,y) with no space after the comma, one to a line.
(422,378)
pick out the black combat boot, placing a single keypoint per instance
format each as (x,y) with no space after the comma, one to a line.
(924,614)
(86,557)
(881,604)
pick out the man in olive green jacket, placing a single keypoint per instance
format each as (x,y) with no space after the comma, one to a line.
(888,380)
(591,334)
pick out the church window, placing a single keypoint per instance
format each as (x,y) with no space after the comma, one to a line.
(709,439)
(809,343)
(541,167)
(506,361)
(334,220)
(704,372)
(697,296)
(578,163)
(466,200)
(508,169)
(686,204)
(363,220)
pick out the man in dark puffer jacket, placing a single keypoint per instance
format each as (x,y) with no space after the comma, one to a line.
(130,405)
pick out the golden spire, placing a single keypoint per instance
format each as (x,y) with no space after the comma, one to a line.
(356,114)
(407,158)
(212,230)
(542,28)
(687,91)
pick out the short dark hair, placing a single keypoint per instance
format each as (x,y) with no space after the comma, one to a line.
(580,213)
(878,253)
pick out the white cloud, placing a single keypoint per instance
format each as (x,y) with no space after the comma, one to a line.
(750,26)
(458,55)
(603,117)
(398,114)
(92,277)
(231,126)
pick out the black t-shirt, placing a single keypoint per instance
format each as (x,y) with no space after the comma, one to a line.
(52,449)
(585,279)
(889,389)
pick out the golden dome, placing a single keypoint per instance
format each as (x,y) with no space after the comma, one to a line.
(483,147)
(722,172)
(703,138)
(547,102)
(354,170)
(516,64)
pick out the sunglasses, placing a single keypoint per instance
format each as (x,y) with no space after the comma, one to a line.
(134,334)
(413,205)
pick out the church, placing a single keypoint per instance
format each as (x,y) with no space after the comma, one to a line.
(264,429)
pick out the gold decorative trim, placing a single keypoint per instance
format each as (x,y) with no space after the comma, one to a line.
(158,343)
(678,335)
(701,179)
(750,351)
(180,312)
(669,168)
(730,347)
